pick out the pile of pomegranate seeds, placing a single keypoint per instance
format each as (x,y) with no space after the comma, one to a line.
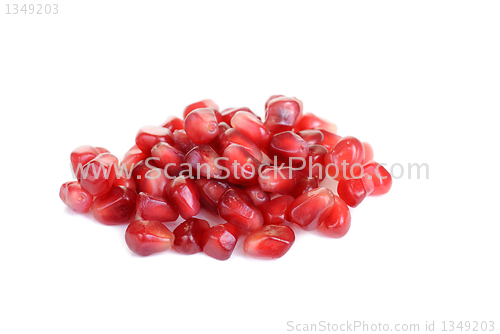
(261,176)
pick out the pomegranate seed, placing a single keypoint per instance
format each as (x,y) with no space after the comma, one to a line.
(269,241)
(154,182)
(81,156)
(189,236)
(368,153)
(287,145)
(276,211)
(201,126)
(382,179)
(116,207)
(183,193)
(146,237)
(279,180)
(243,167)
(75,197)
(349,151)
(282,113)
(330,139)
(167,155)
(133,157)
(236,207)
(150,207)
(338,223)
(204,161)
(211,192)
(258,195)
(122,180)
(173,123)
(139,172)
(312,137)
(233,136)
(215,143)
(101,150)
(99,174)
(219,241)
(182,141)
(311,121)
(272,98)
(315,165)
(311,209)
(251,127)
(149,136)
(201,104)
(227,114)
(304,185)
(354,191)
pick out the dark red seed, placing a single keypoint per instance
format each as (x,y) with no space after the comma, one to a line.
(146,237)
(279,180)
(211,192)
(330,139)
(80,156)
(133,157)
(173,123)
(243,167)
(233,136)
(219,241)
(183,194)
(311,209)
(315,166)
(140,170)
(282,113)
(123,180)
(288,147)
(201,104)
(150,207)
(272,97)
(216,142)
(168,156)
(277,210)
(311,121)
(99,174)
(205,162)
(227,114)
(354,191)
(189,236)
(236,207)
(251,127)
(312,137)
(382,179)
(149,136)
(338,223)
(258,195)
(154,182)
(304,185)
(75,197)
(201,126)
(182,141)
(269,241)
(116,207)
(347,155)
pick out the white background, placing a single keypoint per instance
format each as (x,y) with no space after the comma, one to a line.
(419,80)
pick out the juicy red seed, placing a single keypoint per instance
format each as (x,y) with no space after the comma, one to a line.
(201,126)
(330,139)
(311,209)
(258,195)
(173,123)
(204,161)
(184,195)
(201,104)
(287,145)
(149,136)
(251,127)
(311,121)
(154,182)
(122,180)
(219,241)
(215,143)
(276,211)
(146,237)
(227,114)
(382,179)
(99,174)
(315,165)
(166,154)
(312,137)
(272,97)
(102,150)
(338,223)
(279,180)
(133,157)
(211,192)
(344,155)
(282,113)
(75,197)
(354,191)
(81,156)
(182,141)
(116,207)
(236,207)
(269,241)
(304,185)
(368,153)
(150,207)
(243,167)
(189,236)
(139,172)
(233,136)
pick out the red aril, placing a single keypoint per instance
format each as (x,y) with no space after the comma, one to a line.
(75,197)
(382,179)
(258,195)
(272,97)
(205,162)
(243,167)
(312,137)
(347,155)
(154,182)
(201,104)
(189,236)
(276,211)
(330,139)
(315,165)
(304,185)
(182,141)
(140,170)
(219,241)
(102,150)
(269,241)
(227,114)
(173,123)
(133,157)
(150,207)
(311,121)
(288,148)
(183,194)
(279,180)
(354,191)
(311,209)
(201,126)
(211,192)
(236,207)
(149,136)
(216,142)
(251,127)
(368,153)
(116,207)
(233,136)
(282,113)
(99,174)
(146,237)
(338,223)
(81,156)
(122,180)
(168,158)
